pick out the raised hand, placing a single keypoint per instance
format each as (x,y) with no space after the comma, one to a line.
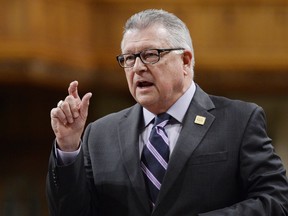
(69,117)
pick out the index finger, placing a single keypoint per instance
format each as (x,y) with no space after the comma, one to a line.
(73,89)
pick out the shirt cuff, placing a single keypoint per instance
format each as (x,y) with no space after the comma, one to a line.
(66,158)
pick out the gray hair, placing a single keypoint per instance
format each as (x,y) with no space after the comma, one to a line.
(178,33)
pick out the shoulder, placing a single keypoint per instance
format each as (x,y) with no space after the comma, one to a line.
(236,108)
(218,103)
(224,102)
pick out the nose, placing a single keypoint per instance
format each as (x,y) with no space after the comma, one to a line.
(139,66)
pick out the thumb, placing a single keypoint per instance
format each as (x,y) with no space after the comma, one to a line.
(85,105)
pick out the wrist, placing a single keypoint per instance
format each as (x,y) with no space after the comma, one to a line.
(67,147)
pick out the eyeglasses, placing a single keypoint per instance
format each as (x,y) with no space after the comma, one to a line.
(150,56)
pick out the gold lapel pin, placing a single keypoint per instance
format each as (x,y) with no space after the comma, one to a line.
(200,120)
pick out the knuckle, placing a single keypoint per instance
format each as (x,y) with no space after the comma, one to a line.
(54,112)
(69,98)
(65,105)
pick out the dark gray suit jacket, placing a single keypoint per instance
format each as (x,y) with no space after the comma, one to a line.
(225,167)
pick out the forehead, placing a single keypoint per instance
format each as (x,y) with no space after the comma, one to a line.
(136,40)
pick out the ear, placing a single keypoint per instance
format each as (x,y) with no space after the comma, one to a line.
(187,60)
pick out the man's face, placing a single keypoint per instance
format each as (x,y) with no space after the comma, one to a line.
(156,86)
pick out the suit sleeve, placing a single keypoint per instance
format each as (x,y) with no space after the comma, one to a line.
(262,175)
(69,188)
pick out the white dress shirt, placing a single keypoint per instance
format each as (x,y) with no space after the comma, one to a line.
(177,111)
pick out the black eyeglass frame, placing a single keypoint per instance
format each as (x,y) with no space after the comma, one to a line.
(139,54)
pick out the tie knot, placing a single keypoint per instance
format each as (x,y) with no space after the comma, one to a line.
(161,119)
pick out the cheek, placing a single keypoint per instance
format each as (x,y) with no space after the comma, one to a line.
(129,78)
(166,86)
(173,83)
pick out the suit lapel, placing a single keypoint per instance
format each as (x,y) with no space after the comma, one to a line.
(189,138)
(128,133)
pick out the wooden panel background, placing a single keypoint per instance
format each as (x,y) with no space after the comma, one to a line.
(239,42)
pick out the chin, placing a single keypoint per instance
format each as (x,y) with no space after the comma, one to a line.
(145,102)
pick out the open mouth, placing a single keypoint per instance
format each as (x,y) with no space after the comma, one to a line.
(144,84)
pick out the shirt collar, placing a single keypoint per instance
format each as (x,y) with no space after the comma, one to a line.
(177,110)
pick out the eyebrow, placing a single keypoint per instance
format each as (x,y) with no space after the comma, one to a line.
(129,52)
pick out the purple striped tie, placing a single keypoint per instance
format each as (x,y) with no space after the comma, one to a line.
(155,156)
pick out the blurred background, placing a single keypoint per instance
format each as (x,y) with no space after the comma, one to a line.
(241,51)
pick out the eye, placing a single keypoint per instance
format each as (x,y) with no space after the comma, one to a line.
(150,55)
(121,59)
(129,58)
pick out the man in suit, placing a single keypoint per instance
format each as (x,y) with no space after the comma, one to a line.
(219,162)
